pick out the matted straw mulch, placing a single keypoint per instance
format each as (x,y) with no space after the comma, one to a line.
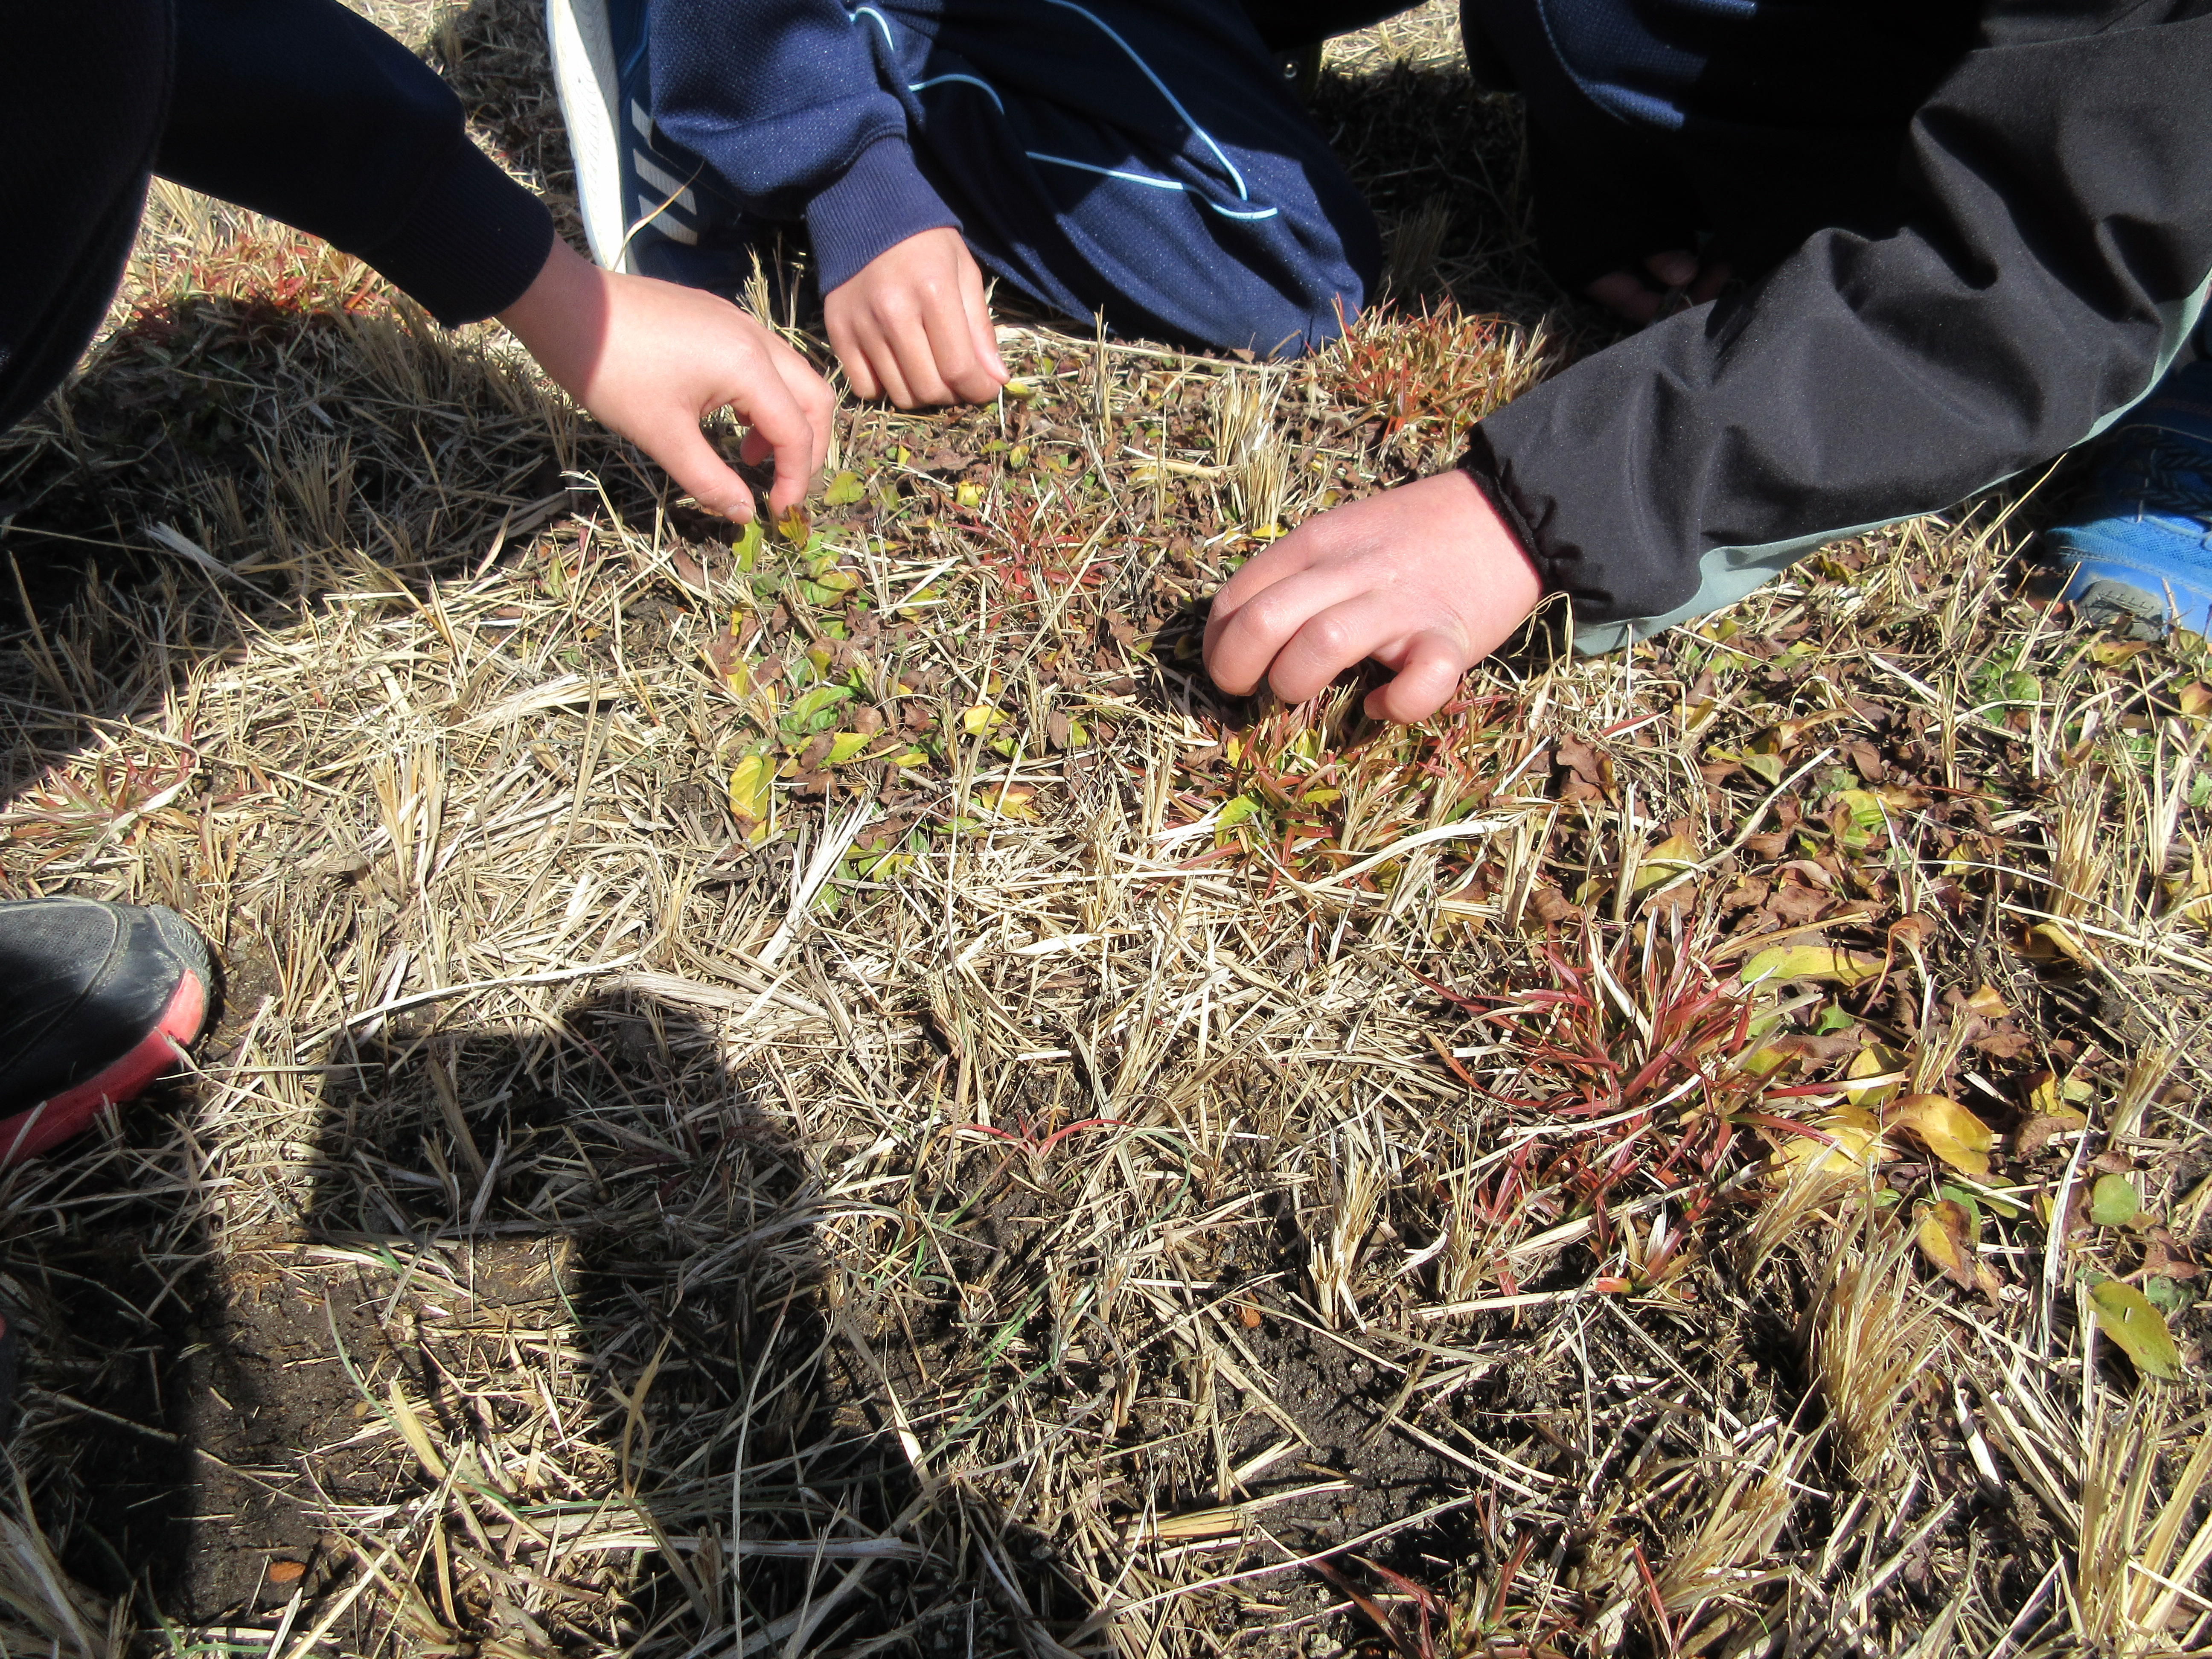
(833,1098)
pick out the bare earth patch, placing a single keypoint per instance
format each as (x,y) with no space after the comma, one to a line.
(824,1094)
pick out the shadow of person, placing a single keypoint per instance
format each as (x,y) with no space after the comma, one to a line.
(551,1357)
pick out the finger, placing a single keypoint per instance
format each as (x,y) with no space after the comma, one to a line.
(1277,562)
(1624,295)
(978,310)
(816,402)
(1709,283)
(860,372)
(1676,267)
(1427,678)
(951,337)
(816,398)
(881,351)
(779,422)
(699,470)
(1332,639)
(1242,650)
(908,340)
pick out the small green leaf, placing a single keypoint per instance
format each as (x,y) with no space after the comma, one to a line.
(2113,1201)
(845,490)
(817,708)
(747,546)
(1766,768)
(2126,1315)
(1865,821)
(2165,1295)
(1233,813)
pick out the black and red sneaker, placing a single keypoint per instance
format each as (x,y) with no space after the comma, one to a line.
(96,1001)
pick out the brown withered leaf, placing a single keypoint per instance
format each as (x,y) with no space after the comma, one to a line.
(1585,773)
(1913,931)
(1748,894)
(2163,1258)
(1551,906)
(1987,1003)
(1820,1049)
(2039,1131)
(1793,903)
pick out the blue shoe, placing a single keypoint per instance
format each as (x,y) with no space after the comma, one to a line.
(2141,560)
(650,207)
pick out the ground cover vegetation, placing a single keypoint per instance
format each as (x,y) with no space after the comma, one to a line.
(820,1092)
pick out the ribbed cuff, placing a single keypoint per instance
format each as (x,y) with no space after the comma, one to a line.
(881,201)
(471,243)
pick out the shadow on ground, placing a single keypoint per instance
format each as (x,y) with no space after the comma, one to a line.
(528,1261)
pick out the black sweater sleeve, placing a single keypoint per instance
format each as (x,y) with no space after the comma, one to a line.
(2053,254)
(303,110)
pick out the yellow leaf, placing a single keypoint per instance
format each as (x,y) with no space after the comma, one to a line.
(1020,391)
(1946,1238)
(1018,457)
(2063,940)
(1857,1141)
(410,1428)
(1820,962)
(750,782)
(1946,1129)
(2125,1315)
(838,581)
(1987,1004)
(1876,1060)
(845,744)
(982,718)
(912,758)
(2049,1097)
(969,495)
(796,527)
(1012,803)
(1666,861)
(2195,699)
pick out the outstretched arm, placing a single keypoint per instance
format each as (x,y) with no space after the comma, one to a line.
(2052,253)
(303,110)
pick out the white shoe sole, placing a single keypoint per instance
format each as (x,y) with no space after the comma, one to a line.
(585,82)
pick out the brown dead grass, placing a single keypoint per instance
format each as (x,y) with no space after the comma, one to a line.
(1200,1143)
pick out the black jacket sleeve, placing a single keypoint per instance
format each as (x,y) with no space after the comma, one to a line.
(82,89)
(303,110)
(2053,252)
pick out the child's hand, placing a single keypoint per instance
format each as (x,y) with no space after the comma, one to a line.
(1425,579)
(912,326)
(1682,281)
(652,360)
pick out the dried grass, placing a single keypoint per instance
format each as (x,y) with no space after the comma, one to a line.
(1040,1200)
